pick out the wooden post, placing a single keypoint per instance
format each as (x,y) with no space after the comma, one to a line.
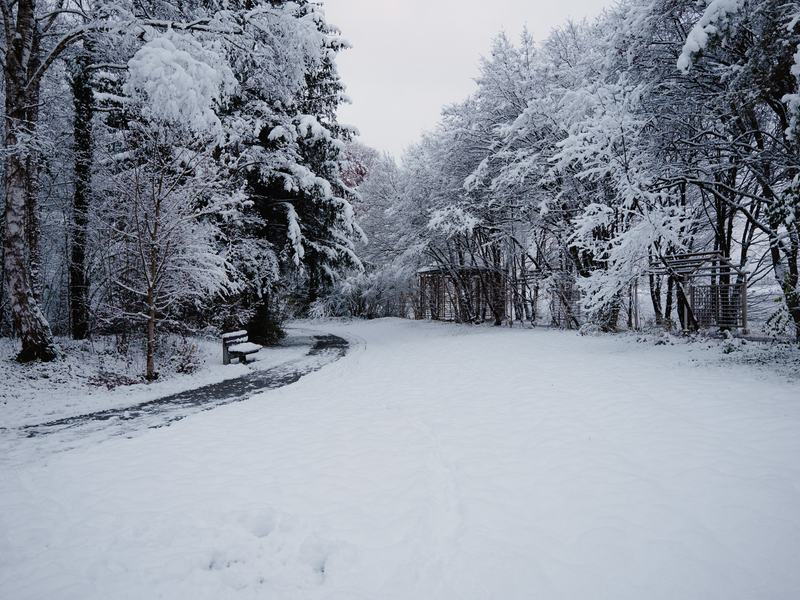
(745,329)
(510,302)
(423,297)
(685,304)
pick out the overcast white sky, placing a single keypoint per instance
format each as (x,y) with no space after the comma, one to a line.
(411,57)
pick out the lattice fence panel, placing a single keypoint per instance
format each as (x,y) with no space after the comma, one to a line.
(718,305)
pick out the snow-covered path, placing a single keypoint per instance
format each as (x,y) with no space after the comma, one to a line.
(435,461)
(131,419)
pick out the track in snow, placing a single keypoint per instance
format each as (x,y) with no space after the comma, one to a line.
(67,432)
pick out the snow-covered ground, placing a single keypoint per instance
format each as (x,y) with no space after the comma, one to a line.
(436,461)
(88,379)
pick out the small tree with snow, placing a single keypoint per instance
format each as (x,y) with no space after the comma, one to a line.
(161,187)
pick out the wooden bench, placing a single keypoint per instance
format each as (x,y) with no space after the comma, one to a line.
(235,345)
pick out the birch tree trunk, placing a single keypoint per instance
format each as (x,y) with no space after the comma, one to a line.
(21,252)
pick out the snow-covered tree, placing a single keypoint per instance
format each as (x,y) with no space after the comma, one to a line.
(162,187)
(663,126)
(155,62)
(285,140)
(36,36)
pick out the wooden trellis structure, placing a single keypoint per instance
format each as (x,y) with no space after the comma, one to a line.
(712,299)
(565,297)
(463,293)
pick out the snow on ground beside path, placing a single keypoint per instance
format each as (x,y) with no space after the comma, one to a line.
(73,385)
(435,461)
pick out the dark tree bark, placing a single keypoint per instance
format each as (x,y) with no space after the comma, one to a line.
(655,296)
(670,295)
(83,100)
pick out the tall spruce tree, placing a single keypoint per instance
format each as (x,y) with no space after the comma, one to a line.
(300,208)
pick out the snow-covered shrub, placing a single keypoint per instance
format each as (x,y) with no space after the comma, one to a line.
(780,322)
(384,292)
(188,361)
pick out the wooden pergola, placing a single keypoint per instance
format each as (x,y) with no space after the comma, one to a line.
(459,293)
(710,298)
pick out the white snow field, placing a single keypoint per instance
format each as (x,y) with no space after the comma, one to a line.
(434,461)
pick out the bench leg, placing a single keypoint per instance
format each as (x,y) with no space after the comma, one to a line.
(226,357)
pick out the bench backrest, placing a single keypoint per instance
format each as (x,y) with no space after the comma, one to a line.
(234,337)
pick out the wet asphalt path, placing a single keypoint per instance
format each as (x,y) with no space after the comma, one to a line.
(69,432)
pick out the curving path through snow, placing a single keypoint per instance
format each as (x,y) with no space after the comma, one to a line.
(68,432)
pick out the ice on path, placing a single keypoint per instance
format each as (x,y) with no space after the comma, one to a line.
(435,461)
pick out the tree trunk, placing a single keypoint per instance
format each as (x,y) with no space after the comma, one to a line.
(655,296)
(21,252)
(33,225)
(151,337)
(28,320)
(83,100)
(685,314)
(668,307)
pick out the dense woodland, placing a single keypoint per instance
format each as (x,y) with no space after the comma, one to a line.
(664,127)
(168,167)
(178,167)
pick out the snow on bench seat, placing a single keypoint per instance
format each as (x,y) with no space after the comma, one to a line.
(244,348)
